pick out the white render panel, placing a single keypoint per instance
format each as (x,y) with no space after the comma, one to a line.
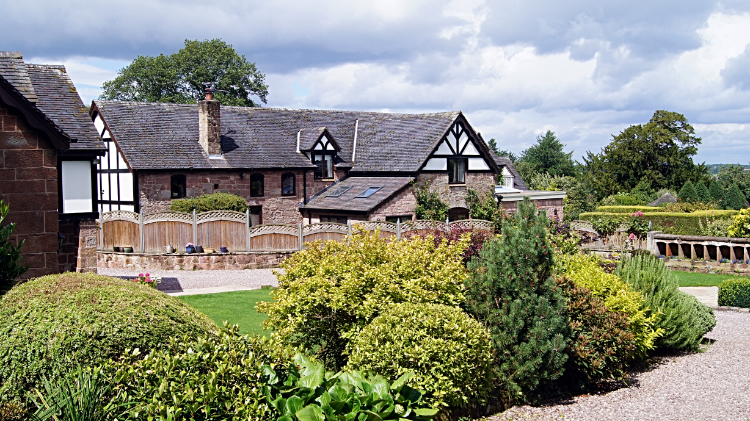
(106,135)
(104,187)
(76,187)
(436,164)
(478,164)
(444,149)
(121,162)
(470,149)
(462,140)
(130,208)
(318,146)
(329,146)
(99,124)
(126,186)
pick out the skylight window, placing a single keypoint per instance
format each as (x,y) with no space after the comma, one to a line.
(338,191)
(369,192)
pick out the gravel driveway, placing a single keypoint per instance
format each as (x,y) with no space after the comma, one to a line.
(713,385)
(181,280)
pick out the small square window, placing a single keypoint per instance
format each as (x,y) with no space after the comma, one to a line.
(369,192)
(332,218)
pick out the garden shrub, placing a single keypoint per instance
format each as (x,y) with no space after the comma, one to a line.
(688,207)
(10,255)
(618,296)
(688,193)
(622,199)
(703,194)
(331,289)
(660,289)
(429,204)
(735,293)
(449,352)
(51,325)
(715,227)
(607,225)
(210,202)
(716,191)
(456,234)
(304,391)
(600,344)
(705,320)
(734,198)
(628,209)
(214,377)
(512,293)
(671,222)
(562,239)
(740,227)
(643,191)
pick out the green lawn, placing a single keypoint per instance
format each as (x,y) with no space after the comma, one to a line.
(237,307)
(695,279)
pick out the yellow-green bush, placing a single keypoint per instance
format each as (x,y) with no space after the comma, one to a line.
(628,209)
(672,222)
(449,352)
(740,227)
(618,296)
(331,289)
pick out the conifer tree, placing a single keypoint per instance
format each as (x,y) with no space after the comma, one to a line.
(703,194)
(734,198)
(716,192)
(688,193)
(512,293)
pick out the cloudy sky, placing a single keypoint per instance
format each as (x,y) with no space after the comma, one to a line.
(585,69)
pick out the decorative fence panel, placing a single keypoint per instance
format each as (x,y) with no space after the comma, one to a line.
(150,233)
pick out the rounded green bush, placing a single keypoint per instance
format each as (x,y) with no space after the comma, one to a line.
(735,293)
(210,202)
(51,325)
(449,352)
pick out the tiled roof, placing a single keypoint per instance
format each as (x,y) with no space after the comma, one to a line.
(308,137)
(504,161)
(348,201)
(158,136)
(13,69)
(59,100)
(50,91)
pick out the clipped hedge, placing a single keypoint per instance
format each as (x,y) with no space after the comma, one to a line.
(449,352)
(628,209)
(735,293)
(671,222)
(211,378)
(209,202)
(51,325)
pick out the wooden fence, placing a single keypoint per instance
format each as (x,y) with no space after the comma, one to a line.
(150,233)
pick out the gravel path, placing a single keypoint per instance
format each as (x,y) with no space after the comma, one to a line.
(180,280)
(713,385)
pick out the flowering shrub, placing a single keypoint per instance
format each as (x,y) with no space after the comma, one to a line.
(562,238)
(455,235)
(148,280)
(637,225)
(740,227)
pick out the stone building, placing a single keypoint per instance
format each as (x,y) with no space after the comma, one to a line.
(292,165)
(48,149)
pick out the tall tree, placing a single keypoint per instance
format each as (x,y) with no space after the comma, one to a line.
(180,77)
(703,193)
(734,199)
(688,193)
(547,156)
(734,174)
(716,192)
(660,151)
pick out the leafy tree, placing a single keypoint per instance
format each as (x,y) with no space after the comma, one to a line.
(10,255)
(547,156)
(688,193)
(703,193)
(512,293)
(734,174)
(578,199)
(660,151)
(180,77)
(643,191)
(493,145)
(734,198)
(716,192)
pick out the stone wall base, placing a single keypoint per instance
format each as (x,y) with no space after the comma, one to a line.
(195,261)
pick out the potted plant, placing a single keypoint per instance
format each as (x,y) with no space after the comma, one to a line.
(199,249)
(190,248)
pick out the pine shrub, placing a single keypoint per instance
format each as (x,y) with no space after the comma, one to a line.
(702,191)
(688,193)
(716,192)
(660,289)
(511,292)
(734,199)
(330,290)
(210,202)
(448,351)
(600,344)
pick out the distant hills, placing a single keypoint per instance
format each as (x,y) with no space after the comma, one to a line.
(713,169)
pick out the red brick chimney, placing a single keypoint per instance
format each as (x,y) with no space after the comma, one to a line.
(209,123)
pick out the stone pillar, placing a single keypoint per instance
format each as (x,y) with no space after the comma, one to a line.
(650,243)
(88,230)
(680,254)
(692,251)
(705,253)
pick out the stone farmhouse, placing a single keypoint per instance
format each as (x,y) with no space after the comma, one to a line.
(295,166)
(48,151)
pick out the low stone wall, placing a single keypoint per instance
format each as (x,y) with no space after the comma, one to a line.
(708,266)
(195,261)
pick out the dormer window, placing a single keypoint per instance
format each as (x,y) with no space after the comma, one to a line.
(507,178)
(324,162)
(319,145)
